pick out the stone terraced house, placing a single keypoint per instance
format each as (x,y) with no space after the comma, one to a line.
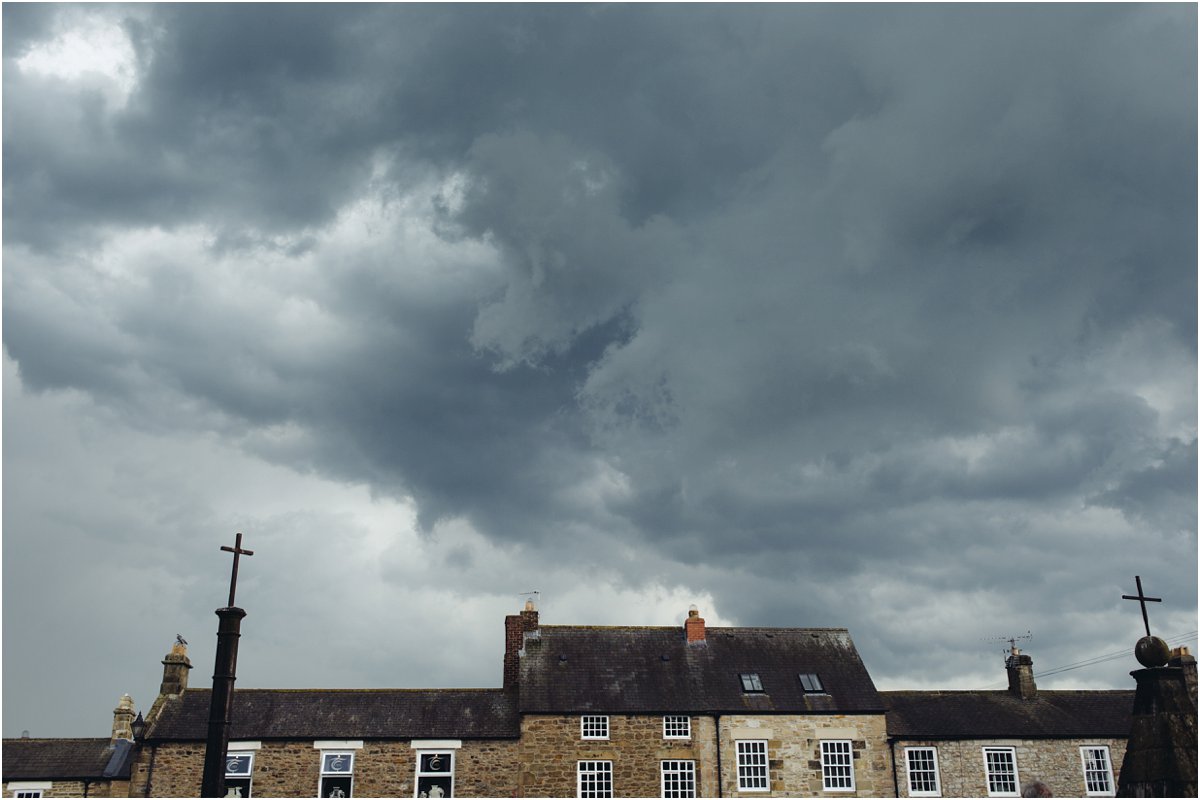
(587,711)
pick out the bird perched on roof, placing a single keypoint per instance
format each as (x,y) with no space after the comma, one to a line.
(179,638)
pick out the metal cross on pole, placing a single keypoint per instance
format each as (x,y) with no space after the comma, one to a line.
(238,552)
(220,710)
(1142,600)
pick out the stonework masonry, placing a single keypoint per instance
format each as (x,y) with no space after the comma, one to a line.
(486,768)
(1055,762)
(551,747)
(794,753)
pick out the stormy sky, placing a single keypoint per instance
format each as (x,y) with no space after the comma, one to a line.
(876,317)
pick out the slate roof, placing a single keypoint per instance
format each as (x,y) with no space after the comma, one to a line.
(979,715)
(346,714)
(569,669)
(66,759)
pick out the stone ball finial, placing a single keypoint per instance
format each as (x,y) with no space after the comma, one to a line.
(1151,651)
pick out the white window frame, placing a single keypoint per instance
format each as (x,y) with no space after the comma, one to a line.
(937,773)
(420,774)
(323,775)
(749,750)
(1107,774)
(31,789)
(249,775)
(597,768)
(832,753)
(987,771)
(598,724)
(677,724)
(682,769)
(32,794)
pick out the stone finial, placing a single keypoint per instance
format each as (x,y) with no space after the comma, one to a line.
(123,719)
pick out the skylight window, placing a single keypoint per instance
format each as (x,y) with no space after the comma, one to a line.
(751,682)
(811,683)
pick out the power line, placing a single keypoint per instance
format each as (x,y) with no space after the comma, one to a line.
(1088,662)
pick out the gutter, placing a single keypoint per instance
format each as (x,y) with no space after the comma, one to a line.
(718,732)
(895,777)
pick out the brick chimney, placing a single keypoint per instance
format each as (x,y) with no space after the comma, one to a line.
(1020,674)
(693,627)
(515,628)
(123,719)
(175,670)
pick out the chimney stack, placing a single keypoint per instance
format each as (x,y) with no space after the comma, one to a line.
(1020,674)
(694,626)
(1182,657)
(175,670)
(123,719)
(515,628)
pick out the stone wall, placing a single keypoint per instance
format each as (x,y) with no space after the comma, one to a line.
(794,753)
(1054,762)
(483,768)
(551,747)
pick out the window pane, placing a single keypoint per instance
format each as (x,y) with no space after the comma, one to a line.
(336,786)
(237,787)
(679,778)
(922,771)
(811,682)
(677,727)
(337,762)
(434,786)
(837,765)
(238,764)
(752,765)
(751,682)
(595,779)
(1001,771)
(435,762)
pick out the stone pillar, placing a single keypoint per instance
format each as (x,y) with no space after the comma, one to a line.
(1160,760)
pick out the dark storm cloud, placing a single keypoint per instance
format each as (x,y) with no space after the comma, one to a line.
(734,299)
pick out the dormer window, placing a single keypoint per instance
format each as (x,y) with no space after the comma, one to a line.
(751,682)
(811,683)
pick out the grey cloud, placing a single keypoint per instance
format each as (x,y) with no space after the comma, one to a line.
(761,302)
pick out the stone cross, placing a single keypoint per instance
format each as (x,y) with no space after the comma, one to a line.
(238,552)
(1142,600)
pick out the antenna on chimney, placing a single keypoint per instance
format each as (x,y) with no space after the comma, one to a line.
(535,595)
(1012,642)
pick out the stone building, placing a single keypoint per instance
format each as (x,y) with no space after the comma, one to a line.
(587,711)
(73,767)
(999,743)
